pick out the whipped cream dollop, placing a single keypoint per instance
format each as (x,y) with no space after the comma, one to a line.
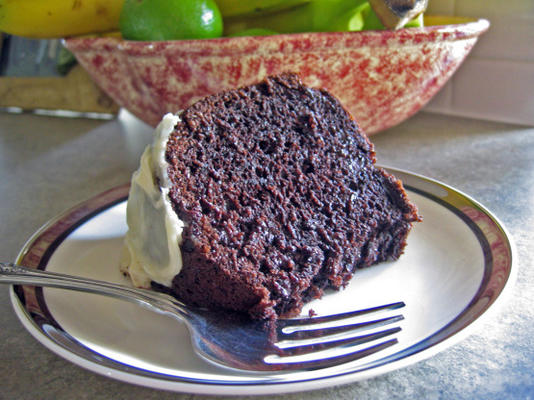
(151,251)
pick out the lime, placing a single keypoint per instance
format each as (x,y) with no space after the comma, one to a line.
(170,19)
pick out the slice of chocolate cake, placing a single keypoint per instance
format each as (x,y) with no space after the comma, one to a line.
(258,199)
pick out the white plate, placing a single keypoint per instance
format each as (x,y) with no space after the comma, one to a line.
(457,264)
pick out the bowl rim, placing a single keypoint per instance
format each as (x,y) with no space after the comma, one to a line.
(286,43)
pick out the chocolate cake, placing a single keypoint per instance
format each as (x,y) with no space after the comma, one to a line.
(277,198)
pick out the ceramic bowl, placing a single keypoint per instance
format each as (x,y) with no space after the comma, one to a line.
(381,77)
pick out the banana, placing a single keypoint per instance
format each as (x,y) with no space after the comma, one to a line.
(58,18)
(313,16)
(234,8)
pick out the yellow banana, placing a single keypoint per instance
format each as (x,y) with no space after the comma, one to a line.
(234,8)
(58,18)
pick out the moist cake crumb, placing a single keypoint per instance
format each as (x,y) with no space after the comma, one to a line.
(262,198)
(281,199)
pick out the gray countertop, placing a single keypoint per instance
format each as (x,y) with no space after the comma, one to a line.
(51,164)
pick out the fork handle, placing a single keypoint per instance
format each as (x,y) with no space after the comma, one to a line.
(16,274)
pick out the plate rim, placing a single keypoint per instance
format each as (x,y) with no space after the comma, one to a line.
(181,384)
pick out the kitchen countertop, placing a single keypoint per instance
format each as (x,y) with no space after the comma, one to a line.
(50,164)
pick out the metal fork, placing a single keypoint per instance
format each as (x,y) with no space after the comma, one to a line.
(236,341)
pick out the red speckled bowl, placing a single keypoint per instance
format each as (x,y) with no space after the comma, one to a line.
(382,77)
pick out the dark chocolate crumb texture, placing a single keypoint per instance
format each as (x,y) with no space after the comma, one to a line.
(280,199)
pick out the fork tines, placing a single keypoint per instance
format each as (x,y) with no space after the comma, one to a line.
(312,343)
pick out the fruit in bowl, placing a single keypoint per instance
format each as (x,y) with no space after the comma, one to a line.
(381,76)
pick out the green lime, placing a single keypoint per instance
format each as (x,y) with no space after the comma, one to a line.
(170,19)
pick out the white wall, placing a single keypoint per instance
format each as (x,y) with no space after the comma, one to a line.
(496,82)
